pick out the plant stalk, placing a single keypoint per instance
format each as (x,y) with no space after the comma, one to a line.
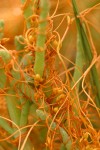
(40,45)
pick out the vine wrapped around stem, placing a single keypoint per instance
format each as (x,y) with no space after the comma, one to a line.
(40,45)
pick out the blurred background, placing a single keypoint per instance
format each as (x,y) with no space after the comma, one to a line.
(11,12)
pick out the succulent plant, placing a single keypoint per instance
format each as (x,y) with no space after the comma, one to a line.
(44,98)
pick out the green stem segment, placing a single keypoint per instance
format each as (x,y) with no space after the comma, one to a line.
(43,116)
(1,29)
(26,95)
(78,63)
(17,116)
(78,72)
(12,103)
(87,51)
(24,114)
(28,11)
(5,126)
(40,45)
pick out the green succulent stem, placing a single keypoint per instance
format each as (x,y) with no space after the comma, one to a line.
(6,126)
(78,63)
(28,11)
(43,116)
(18,116)
(1,28)
(24,114)
(26,97)
(40,45)
(12,101)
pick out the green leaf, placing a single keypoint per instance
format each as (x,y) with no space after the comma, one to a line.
(19,42)
(64,135)
(88,52)
(41,114)
(5,55)
(63,147)
(1,29)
